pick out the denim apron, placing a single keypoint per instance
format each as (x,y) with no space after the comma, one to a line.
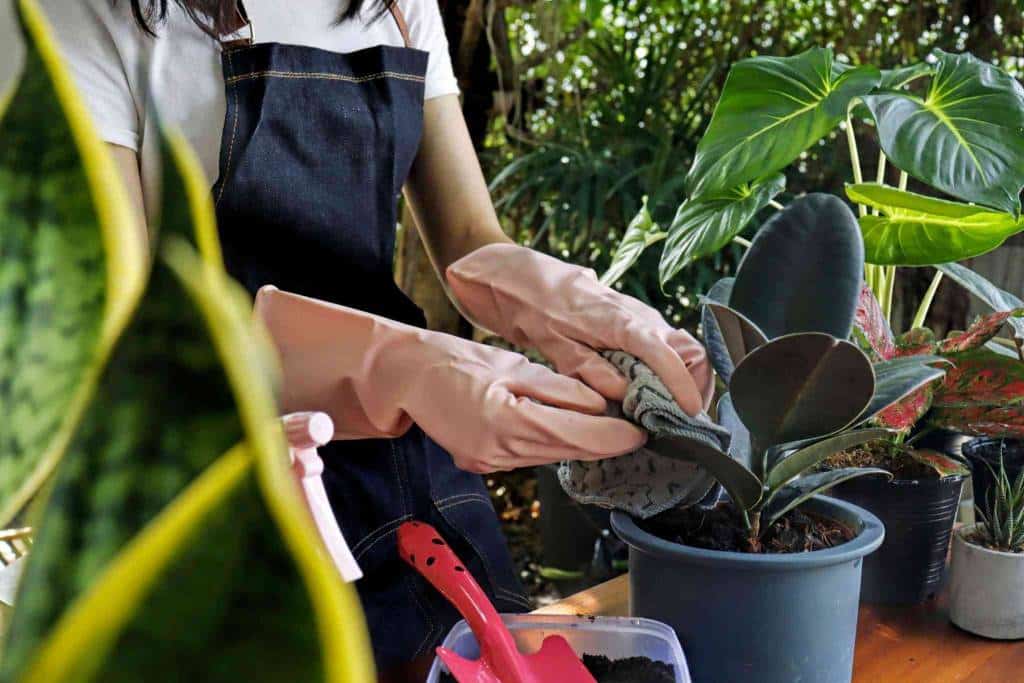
(315,150)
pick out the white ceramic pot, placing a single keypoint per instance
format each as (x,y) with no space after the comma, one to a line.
(986,589)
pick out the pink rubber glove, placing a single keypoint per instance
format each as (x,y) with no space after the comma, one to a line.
(491,409)
(537,301)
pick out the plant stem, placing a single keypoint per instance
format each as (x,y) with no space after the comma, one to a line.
(889,286)
(926,301)
(775,205)
(858,176)
(742,241)
(903,180)
(880,175)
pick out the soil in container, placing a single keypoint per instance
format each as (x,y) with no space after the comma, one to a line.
(721,528)
(629,670)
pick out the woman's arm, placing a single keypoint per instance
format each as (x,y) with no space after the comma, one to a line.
(446,188)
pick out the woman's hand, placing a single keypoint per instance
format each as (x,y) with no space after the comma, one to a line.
(491,409)
(537,301)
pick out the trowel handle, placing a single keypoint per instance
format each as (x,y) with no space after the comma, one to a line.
(422,547)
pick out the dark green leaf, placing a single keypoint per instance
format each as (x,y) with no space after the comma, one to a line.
(771,110)
(703,226)
(800,490)
(964,136)
(741,484)
(915,230)
(640,234)
(797,463)
(739,443)
(736,336)
(894,79)
(804,270)
(713,340)
(898,378)
(801,386)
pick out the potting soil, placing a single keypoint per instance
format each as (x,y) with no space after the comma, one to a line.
(629,670)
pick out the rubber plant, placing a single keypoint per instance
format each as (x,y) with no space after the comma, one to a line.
(798,390)
(952,122)
(171,543)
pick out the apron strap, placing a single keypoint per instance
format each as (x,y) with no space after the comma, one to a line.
(243,21)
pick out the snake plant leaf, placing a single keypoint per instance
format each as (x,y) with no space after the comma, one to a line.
(944,465)
(72,267)
(871,328)
(982,395)
(771,110)
(703,226)
(996,298)
(795,464)
(963,136)
(801,386)
(641,233)
(739,482)
(804,270)
(894,79)
(736,336)
(713,340)
(897,380)
(739,443)
(916,230)
(983,329)
(800,490)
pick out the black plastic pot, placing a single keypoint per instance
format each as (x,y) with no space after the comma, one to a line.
(746,618)
(984,453)
(918,515)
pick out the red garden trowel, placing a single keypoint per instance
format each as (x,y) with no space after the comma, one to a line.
(500,660)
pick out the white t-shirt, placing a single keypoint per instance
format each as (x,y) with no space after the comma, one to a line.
(116,65)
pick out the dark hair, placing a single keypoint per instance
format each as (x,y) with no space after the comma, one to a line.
(216,17)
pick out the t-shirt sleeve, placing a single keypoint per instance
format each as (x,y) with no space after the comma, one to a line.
(426,32)
(92,36)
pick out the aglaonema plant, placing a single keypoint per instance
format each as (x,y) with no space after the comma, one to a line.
(798,391)
(952,122)
(170,541)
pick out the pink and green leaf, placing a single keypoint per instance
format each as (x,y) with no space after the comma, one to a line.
(916,342)
(980,331)
(903,415)
(944,465)
(871,330)
(982,395)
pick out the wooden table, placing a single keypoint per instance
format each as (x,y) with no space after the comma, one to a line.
(894,645)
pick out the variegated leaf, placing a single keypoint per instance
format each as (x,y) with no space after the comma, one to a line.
(944,465)
(982,395)
(871,330)
(980,331)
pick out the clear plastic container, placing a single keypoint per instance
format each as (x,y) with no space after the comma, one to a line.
(613,637)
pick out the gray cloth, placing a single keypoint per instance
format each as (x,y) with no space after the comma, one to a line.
(644,483)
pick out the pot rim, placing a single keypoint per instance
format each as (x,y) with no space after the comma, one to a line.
(960,535)
(972,445)
(872,532)
(940,481)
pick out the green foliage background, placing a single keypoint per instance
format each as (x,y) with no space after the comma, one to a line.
(607,101)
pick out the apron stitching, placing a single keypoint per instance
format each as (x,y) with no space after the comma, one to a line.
(234,130)
(327,76)
(463,501)
(381,532)
(479,496)
(417,596)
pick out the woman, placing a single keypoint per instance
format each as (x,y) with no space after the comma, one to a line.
(313,115)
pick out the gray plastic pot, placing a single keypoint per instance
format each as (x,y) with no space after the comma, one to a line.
(986,589)
(756,618)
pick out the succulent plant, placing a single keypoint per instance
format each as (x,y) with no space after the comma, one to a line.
(1002,517)
(798,390)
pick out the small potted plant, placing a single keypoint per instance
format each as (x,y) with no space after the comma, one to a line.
(774,557)
(987,570)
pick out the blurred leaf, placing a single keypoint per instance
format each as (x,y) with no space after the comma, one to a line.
(804,270)
(801,386)
(641,233)
(704,226)
(997,299)
(915,230)
(963,137)
(71,269)
(771,110)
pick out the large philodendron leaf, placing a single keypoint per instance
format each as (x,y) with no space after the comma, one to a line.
(771,110)
(72,263)
(871,328)
(893,79)
(983,329)
(799,491)
(641,233)
(915,230)
(982,395)
(801,386)
(997,299)
(735,337)
(964,136)
(804,270)
(703,226)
